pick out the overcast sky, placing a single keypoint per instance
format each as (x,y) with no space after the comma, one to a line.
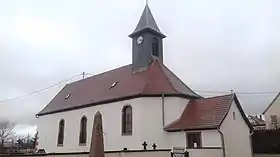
(212,45)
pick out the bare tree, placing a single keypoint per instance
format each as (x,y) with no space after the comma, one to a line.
(6,133)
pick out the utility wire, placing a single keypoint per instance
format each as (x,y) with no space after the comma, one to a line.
(41,90)
(223,92)
(86,74)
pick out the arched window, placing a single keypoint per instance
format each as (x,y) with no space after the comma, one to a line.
(83,130)
(60,132)
(155,46)
(127,120)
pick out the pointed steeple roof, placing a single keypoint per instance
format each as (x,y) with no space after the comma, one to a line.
(147,22)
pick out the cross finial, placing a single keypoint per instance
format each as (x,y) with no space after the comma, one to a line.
(147,2)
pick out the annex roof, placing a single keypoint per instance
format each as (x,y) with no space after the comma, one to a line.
(205,113)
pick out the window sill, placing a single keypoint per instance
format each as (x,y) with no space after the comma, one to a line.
(59,145)
(82,144)
(126,134)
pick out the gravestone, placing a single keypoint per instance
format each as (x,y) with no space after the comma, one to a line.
(97,144)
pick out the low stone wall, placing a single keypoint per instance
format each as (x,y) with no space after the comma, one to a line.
(160,153)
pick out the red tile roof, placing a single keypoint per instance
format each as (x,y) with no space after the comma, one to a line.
(205,113)
(154,81)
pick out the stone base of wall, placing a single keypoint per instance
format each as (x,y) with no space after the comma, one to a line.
(140,153)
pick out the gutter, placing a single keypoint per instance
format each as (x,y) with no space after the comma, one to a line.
(162,108)
(223,142)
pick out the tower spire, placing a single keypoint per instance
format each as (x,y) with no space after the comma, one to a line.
(147,22)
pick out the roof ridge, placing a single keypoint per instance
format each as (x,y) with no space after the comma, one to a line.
(102,73)
(185,109)
(178,120)
(184,112)
(147,78)
(146,82)
(229,106)
(215,96)
(146,12)
(240,109)
(181,80)
(166,77)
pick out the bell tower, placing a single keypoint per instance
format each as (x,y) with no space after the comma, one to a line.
(146,42)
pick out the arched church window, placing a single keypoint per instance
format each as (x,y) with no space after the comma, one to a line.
(83,130)
(155,47)
(60,132)
(127,120)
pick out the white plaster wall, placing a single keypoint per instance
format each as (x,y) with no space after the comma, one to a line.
(173,108)
(147,126)
(175,139)
(205,153)
(236,134)
(274,109)
(211,138)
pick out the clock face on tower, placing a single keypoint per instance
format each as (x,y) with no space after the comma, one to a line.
(140,40)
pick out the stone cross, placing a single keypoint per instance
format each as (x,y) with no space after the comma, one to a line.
(97,144)
(145,145)
(154,146)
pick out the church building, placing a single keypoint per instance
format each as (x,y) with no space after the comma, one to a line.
(144,103)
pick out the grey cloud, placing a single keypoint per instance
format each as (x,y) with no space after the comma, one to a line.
(211,45)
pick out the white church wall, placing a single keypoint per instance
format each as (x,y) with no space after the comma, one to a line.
(171,111)
(147,126)
(236,134)
(211,138)
(175,139)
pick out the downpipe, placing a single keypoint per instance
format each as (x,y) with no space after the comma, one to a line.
(223,142)
(162,107)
